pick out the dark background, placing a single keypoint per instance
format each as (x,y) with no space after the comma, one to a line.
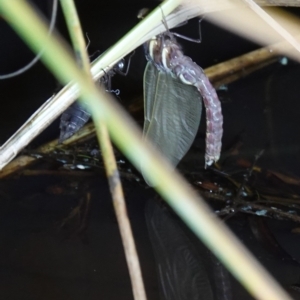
(39,261)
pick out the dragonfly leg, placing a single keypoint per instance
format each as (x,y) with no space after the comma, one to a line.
(199,40)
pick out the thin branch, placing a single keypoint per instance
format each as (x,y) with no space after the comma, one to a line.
(273,23)
(23,161)
(57,173)
(241,66)
(112,173)
(244,22)
(252,208)
(38,56)
(284,3)
(122,216)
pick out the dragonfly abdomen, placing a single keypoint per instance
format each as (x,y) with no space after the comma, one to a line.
(214,121)
(190,73)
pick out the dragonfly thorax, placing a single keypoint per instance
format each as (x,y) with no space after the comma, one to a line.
(161,49)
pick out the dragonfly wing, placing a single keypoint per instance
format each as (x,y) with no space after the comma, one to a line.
(182,272)
(150,78)
(172,114)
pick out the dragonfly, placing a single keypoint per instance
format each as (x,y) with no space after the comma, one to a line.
(77,115)
(173,88)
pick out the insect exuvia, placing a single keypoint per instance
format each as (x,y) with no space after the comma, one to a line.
(73,118)
(77,115)
(165,55)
